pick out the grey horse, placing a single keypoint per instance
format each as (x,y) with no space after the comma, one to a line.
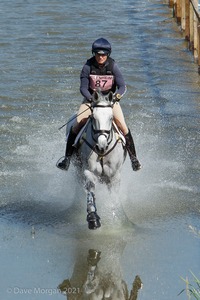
(100,152)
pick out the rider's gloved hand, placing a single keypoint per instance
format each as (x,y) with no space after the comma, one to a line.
(117,97)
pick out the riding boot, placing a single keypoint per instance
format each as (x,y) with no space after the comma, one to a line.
(64,165)
(131,151)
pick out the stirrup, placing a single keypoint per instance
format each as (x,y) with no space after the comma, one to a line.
(64,164)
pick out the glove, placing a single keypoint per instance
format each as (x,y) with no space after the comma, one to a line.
(117,97)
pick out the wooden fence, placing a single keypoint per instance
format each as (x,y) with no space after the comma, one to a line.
(187,16)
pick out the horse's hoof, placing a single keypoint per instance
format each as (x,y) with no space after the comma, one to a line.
(94,224)
(93,221)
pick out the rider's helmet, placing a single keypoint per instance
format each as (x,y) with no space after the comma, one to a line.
(101,46)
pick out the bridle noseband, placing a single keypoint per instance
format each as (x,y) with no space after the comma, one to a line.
(108,134)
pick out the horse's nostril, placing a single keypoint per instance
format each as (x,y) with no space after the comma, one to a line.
(99,148)
(102,142)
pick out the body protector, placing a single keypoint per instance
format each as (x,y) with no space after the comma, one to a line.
(102,78)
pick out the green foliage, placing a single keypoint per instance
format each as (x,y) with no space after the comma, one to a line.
(192,290)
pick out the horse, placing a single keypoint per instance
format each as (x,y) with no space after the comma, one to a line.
(100,152)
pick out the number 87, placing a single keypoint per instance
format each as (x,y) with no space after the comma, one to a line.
(98,83)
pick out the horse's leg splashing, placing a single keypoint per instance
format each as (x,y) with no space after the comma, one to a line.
(92,217)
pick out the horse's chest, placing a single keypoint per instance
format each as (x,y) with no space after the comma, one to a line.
(102,166)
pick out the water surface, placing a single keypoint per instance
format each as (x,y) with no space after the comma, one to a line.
(44,235)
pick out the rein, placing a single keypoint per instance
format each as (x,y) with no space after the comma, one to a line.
(96,131)
(101,105)
(94,147)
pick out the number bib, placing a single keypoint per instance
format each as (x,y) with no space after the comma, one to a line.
(102,82)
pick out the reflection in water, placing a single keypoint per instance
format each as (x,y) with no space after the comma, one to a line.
(97,276)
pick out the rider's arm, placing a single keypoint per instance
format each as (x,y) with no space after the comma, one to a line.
(85,83)
(121,86)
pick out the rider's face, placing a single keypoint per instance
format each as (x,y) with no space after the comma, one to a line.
(101,58)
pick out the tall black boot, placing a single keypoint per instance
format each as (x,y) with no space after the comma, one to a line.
(64,165)
(131,151)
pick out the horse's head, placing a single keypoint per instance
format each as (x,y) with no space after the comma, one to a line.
(102,118)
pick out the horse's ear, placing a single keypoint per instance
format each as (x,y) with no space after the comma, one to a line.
(95,97)
(110,96)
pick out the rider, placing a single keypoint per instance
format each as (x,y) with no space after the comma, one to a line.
(100,73)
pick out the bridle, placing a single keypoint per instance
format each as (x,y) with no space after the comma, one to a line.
(95,133)
(108,134)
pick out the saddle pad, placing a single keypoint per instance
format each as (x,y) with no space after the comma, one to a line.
(79,135)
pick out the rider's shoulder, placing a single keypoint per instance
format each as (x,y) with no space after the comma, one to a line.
(86,67)
(111,59)
(90,61)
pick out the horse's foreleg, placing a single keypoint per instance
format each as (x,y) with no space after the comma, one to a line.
(92,216)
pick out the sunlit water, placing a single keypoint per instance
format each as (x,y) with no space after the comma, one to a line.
(44,235)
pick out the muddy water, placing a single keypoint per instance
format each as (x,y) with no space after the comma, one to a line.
(45,245)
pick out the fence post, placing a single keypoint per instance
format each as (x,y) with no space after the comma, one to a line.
(178,11)
(195,2)
(183,4)
(187,20)
(191,42)
(198,47)
(171,3)
(187,16)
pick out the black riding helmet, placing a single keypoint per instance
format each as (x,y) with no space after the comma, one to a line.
(101,46)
